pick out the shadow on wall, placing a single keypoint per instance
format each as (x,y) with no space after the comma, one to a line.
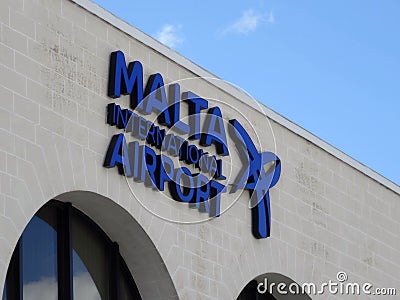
(140,254)
(265,287)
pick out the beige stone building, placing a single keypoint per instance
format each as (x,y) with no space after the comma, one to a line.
(72,228)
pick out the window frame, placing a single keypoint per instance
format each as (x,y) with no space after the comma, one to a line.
(117,265)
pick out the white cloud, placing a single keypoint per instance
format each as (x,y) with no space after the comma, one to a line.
(46,288)
(169,36)
(249,21)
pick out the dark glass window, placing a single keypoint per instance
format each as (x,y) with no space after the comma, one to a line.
(250,293)
(126,290)
(39,257)
(64,255)
(125,293)
(89,257)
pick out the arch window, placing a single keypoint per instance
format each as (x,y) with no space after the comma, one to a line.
(250,293)
(62,254)
(268,287)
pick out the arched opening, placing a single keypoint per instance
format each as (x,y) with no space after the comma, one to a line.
(273,286)
(63,254)
(141,256)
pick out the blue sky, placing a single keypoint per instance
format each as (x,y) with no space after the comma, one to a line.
(333,67)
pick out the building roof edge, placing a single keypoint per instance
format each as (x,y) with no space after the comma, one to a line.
(232,90)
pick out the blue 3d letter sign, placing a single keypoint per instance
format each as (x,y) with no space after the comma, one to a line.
(141,162)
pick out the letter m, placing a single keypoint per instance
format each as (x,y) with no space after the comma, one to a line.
(125,80)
